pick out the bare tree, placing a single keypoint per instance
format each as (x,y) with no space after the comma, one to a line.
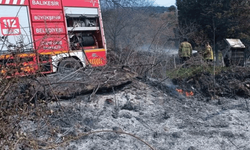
(119,17)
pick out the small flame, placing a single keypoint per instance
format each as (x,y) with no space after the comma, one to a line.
(179,91)
(188,94)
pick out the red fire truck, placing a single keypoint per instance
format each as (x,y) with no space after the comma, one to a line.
(49,36)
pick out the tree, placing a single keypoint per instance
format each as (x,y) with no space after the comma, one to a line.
(216,20)
(136,25)
(172,8)
(227,17)
(121,15)
(239,16)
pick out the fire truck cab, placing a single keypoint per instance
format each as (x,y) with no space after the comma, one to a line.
(49,36)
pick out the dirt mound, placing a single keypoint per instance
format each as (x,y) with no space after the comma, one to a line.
(230,83)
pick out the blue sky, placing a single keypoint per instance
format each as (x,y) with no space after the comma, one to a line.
(165,3)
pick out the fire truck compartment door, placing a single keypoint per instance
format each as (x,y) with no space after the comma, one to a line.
(83,11)
(15,32)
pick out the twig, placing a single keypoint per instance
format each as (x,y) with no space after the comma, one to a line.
(247,105)
(70,74)
(95,90)
(101,131)
(5,89)
(57,100)
(232,143)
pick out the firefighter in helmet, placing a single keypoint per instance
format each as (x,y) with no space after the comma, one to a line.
(208,53)
(185,51)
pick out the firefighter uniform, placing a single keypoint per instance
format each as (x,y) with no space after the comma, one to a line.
(185,51)
(208,53)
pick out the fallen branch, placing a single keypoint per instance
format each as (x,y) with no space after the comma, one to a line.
(96,132)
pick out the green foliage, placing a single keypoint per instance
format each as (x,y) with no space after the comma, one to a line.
(217,19)
(172,8)
(192,71)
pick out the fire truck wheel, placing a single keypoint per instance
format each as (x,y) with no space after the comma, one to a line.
(68,65)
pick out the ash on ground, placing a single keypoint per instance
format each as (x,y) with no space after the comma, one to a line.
(133,113)
(123,118)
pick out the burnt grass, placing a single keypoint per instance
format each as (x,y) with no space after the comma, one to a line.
(232,83)
(154,112)
(214,118)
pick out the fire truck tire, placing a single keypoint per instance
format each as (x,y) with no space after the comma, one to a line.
(68,65)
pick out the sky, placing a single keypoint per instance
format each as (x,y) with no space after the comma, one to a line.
(165,3)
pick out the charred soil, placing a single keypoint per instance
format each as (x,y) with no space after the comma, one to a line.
(114,109)
(231,83)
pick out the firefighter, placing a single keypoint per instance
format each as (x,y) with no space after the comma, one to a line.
(185,51)
(208,53)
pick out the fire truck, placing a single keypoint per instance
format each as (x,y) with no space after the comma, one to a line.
(48,36)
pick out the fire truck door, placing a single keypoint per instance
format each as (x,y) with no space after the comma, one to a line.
(15,33)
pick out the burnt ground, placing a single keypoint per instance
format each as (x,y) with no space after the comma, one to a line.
(147,113)
(231,83)
(153,112)
(161,120)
